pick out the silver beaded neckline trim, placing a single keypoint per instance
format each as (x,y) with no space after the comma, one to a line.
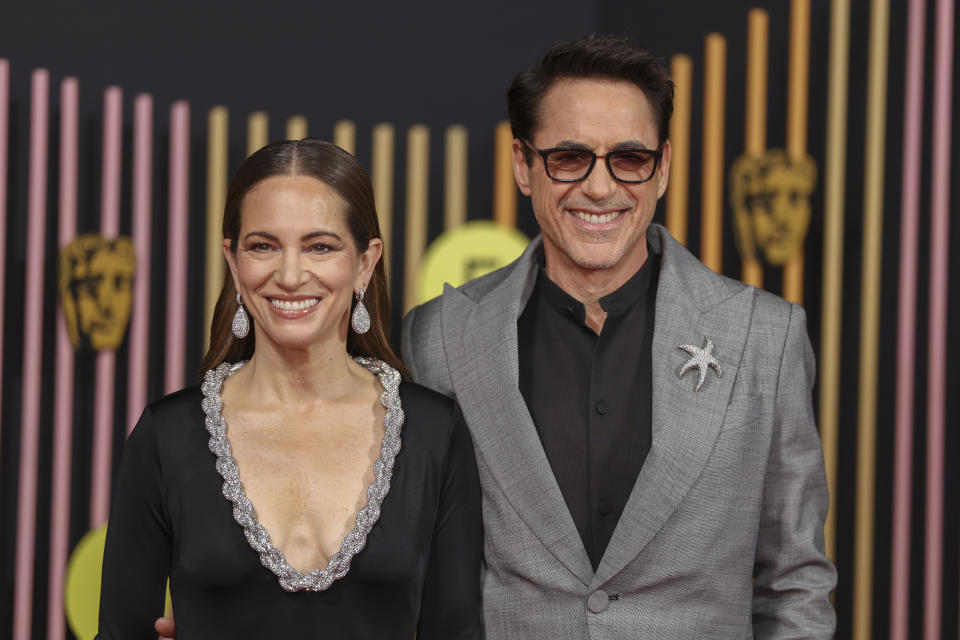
(258,537)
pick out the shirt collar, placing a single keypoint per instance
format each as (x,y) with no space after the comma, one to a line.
(632,292)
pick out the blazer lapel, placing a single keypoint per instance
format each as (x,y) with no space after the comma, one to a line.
(481,345)
(692,303)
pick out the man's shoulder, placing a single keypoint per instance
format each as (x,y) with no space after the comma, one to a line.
(476,289)
(710,289)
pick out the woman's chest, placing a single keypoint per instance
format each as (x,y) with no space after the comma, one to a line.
(211,549)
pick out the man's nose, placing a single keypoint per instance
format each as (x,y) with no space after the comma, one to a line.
(599,184)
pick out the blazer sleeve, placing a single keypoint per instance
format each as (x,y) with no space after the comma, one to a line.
(450,608)
(422,349)
(136,558)
(794,578)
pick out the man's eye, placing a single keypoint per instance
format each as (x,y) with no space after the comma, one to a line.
(569,159)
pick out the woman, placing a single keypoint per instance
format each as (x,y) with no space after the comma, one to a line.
(303,490)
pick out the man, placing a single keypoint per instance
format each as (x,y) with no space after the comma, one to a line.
(648,456)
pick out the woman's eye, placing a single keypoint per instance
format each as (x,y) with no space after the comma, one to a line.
(320,248)
(260,246)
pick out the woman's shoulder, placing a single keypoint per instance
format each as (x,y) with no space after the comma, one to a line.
(171,417)
(421,400)
(177,405)
(432,418)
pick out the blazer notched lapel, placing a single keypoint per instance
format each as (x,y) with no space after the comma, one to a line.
(481,346)
(692,303)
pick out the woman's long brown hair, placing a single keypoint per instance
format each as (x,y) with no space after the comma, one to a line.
(335,167)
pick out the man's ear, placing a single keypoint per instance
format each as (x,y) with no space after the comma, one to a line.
(663,171)
(521,170)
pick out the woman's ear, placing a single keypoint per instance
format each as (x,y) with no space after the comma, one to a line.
(368,261)
(231,262)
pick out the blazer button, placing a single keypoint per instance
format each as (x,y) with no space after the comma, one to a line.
(598,601)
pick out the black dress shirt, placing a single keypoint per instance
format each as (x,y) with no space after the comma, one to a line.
(590,395)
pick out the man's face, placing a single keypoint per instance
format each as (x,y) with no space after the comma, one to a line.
(600,116)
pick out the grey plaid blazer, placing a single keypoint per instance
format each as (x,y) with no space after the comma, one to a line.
(722,536)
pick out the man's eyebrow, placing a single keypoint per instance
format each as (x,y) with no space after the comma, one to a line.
(623,144)
(629,144)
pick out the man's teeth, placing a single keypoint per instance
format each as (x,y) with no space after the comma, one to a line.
(294,305)
(595,219)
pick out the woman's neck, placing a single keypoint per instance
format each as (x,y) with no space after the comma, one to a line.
(320,373)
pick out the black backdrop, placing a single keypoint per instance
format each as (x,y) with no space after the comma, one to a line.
(441,63)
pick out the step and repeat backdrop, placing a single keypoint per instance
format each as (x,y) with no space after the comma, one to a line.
(812,156)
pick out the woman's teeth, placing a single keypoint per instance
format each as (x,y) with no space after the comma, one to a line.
(595,219)
(294,305)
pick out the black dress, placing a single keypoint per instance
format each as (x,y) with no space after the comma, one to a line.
(418,573)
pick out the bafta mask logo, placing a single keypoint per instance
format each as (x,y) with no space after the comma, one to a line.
(770,195)
(96,288)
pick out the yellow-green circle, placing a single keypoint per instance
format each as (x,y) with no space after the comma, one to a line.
(82,598)
(467,252)
(82,584)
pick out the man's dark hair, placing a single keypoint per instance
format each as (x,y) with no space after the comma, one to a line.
(604,57)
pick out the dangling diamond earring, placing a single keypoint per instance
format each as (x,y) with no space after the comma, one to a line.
(360,320)
(241,323)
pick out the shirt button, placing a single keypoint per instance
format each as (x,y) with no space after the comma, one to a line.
(601,407)
(569,309)
(598,601)
(604,507)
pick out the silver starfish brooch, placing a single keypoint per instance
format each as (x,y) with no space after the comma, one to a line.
(700,359)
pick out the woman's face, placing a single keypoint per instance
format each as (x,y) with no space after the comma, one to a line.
(296,264)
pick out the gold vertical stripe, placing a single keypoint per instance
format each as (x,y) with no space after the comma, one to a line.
(870,318)
(758,36)
(218,142)
(418,164)
(381,174)
(714,100)
(296,127)
(798,83)
(832,287)
(345,135)
(504,186)
(755,125)
(455,177)
(258,131)
(678,188)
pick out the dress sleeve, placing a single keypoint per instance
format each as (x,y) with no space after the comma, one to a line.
(450,608)
(136,559)
(794,578)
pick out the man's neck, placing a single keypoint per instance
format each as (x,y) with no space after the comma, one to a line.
(589,285)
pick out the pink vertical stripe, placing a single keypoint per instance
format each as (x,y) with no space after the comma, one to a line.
(104,385)
(937,335)
(907,324)
(4,144)
(177,246)
(32,355)
(140,316)
(63,372)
